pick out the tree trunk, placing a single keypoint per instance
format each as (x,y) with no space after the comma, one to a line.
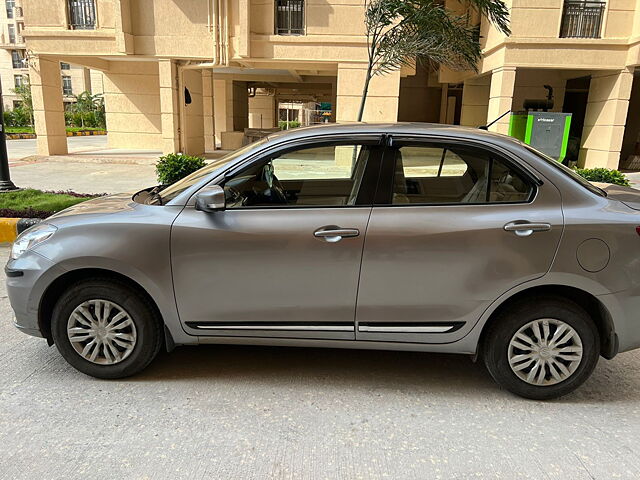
(365,91)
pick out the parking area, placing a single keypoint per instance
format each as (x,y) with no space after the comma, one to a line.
(225,412)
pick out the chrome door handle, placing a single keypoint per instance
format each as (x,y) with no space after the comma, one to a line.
(524,229)
(333,234)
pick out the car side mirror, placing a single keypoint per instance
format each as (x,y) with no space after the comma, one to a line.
(211,199)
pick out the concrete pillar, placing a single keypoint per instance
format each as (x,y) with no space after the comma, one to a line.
(503,82)
(222,107)
(605,118)
(475,101)
(86,80)
(240,106)
(262,110)
(169,106)
(48,109)
(207,111)
(193,123)
(334,101)
(382,100)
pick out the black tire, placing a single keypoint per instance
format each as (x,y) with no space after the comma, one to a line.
(143,314)
(513,318)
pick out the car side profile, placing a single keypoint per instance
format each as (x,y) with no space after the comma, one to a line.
(410,237)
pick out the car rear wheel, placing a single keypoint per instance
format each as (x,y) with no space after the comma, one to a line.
(541,349)
(106,329)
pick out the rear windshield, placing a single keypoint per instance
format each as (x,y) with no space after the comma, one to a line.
(567,171)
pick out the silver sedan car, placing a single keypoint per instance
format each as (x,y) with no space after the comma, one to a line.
(401,237)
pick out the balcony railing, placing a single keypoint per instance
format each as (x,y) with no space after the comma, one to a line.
(290,17)
(82,14)
(582,19)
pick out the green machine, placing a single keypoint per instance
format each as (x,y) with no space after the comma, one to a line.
(543,130)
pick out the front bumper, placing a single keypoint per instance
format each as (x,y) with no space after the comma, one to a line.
(27,279)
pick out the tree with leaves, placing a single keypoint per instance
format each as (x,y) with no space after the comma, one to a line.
(89,105)
(403,32)
(26,101)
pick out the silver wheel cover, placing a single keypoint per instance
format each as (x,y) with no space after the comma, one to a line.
(101,332)
(545,352)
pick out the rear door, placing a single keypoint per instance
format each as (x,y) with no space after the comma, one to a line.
(454,227)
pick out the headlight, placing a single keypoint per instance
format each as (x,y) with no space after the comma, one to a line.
(30,238)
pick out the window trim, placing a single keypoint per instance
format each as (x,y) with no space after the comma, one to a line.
(370,176)
(70,85)
(384,192)
(288,33)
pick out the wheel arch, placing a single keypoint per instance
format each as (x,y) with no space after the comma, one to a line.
(590,303)
(61,283)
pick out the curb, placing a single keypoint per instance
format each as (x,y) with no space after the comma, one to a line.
(82,133)
(10,228)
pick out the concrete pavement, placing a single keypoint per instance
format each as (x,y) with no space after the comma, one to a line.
(225,412)
(82,177)
(18,149)
(634,178)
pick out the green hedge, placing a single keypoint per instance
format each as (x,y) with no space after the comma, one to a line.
(175,166)
(288,125)
(604,175)
(16,118)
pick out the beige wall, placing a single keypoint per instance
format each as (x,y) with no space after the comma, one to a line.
(419,97)
(193,114)
(475,101)
(262,109)
(132,102)
(141,114)
(382,100)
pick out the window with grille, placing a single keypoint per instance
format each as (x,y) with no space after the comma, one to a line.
(66,86)
(12,33)
(64,66)
(17,59)
(18,80)
(82,14)
(582,19)
(290,17)
(9,4)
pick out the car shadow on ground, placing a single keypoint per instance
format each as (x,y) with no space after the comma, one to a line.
(427,373)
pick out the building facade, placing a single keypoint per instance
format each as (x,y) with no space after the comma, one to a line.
(192,75)
(14,67)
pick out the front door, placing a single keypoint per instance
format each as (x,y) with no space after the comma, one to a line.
(454,228)
(283,259)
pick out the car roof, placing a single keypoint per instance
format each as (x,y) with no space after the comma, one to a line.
(400,128)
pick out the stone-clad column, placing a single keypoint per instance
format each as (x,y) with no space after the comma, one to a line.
(48,109)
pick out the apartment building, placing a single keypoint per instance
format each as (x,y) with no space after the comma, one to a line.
(14,68)
(192,75)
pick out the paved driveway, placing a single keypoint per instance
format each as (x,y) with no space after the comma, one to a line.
(254,413)
(23,148)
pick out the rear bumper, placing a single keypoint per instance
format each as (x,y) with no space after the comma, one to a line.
(27,279)
(624,308)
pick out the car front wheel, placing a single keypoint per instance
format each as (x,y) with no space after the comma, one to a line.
(106,329)
(542,349)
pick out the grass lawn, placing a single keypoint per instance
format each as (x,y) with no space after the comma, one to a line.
(18,129)
(36,203)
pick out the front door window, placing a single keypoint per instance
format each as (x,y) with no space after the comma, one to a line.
(328,175)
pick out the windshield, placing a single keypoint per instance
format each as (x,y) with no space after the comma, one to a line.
(567,171)
(175,189)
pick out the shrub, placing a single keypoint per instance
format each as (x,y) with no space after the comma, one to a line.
(288,125)
(17,117)
(604,175)
(174,166)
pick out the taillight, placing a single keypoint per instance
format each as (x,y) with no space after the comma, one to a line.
(638,230)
